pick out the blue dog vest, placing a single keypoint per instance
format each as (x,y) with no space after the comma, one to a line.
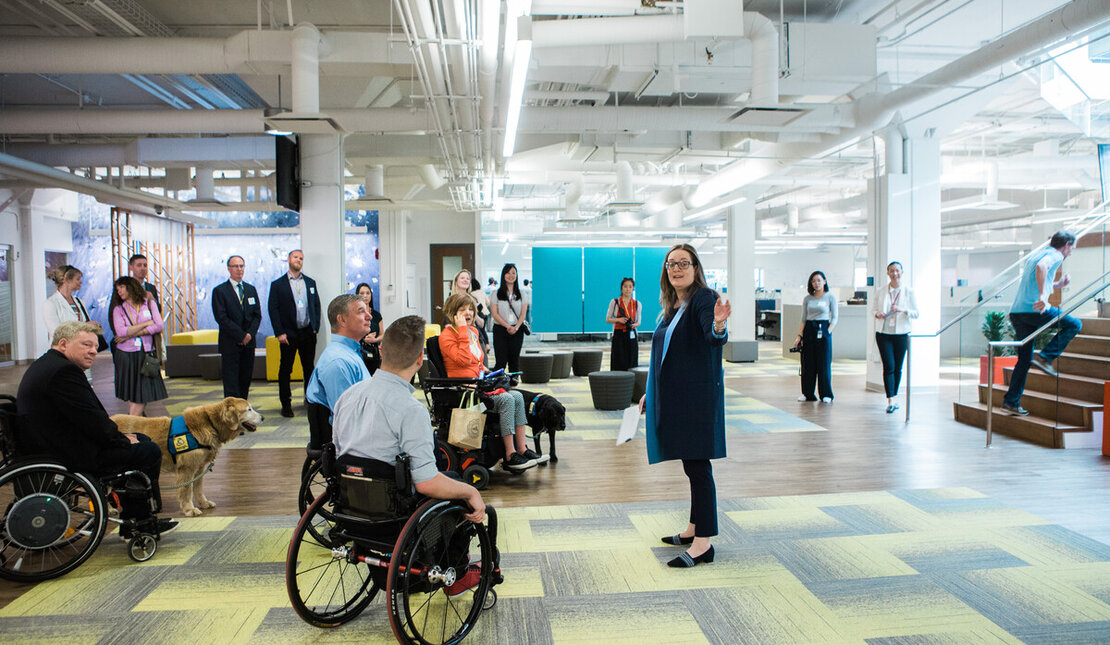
(180,440)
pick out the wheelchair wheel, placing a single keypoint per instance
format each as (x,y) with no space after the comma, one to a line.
(53,520)
(437,585)
(477,476)
(327,585)
(447,459)
(142,547)
(314,485)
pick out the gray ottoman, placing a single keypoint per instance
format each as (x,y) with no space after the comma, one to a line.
(586,361)
(560,367)
(210,366)
(611,390)
(640,385)
(535,368)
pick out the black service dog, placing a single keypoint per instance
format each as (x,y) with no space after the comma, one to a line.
(544,414)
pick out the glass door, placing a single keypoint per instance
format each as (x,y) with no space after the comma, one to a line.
(7,305)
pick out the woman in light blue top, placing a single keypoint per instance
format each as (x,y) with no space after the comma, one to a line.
(815,338)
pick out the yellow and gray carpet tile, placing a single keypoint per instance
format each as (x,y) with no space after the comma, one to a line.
(921,566)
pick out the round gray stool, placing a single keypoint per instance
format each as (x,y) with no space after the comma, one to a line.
(210,366)
(536,368)
(640,385)
(611,390)
(586,361)
(560,368)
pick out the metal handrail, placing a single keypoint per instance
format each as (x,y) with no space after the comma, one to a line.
(983,301)
(991,345)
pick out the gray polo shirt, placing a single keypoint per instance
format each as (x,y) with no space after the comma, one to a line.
(379,419)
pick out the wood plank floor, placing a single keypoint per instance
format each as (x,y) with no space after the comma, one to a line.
(864,449)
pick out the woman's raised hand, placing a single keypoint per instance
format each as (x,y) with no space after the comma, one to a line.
(460,318)
(721,310)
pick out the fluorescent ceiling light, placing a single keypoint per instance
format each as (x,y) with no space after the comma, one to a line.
(710,209)
(522,54)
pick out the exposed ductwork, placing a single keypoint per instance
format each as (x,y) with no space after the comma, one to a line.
(306,69)
(629,30)
(95,121)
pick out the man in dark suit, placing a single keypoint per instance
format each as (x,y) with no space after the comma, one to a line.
(238,314)
(63,419)
(139,269)
(294,308)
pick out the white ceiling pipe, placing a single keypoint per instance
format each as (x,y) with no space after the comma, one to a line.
(875,112)
(625,192)
(579,95)
(75,156)
(459,66)
(430,176)
(580,8)
(96,121)
(668,28)
(205,185)
(578,119)
(306,69)
(375,181)
(421,29)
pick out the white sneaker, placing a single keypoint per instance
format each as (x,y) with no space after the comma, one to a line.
(826,400)
(802,399)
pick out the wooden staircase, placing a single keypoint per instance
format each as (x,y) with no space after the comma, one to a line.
(1057,406)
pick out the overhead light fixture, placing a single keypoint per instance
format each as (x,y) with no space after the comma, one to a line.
(711,209)
(522,54)
(505,248)
(269,113)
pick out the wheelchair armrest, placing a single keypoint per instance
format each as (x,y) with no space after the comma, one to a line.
(451,381)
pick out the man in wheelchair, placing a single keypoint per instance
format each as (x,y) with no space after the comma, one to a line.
(61,418)
(379,419)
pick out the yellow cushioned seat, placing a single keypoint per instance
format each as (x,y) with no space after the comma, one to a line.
(197,337)
(273,361)
(431,330)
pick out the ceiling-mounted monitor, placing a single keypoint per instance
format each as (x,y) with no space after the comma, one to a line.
(288,160)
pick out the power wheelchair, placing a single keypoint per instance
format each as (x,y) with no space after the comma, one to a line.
(53,518)
(368,531)
(443,395)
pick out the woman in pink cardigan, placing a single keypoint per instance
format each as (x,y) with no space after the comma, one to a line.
(135,320)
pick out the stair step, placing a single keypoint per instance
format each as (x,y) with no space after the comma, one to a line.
(1090,344)
(1085,388)
(1074,363)
(1030,428)
(1096,326)
(1047,405)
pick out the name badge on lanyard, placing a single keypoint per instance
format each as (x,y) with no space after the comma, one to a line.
(632,334)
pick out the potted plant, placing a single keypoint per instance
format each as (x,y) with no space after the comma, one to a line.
(996,327)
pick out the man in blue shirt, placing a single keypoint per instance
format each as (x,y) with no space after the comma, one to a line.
(340,365)
(1031,310)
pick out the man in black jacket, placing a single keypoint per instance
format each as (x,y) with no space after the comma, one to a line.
(139,269)
(294,308)
(238,314)
(62,418)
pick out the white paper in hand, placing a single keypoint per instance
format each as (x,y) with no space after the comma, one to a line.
(629,423)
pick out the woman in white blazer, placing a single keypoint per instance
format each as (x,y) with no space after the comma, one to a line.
(896,307)
(64,305)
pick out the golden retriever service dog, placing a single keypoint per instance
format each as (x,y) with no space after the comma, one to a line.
(211,427)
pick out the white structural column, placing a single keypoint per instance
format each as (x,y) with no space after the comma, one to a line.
(904,226)
(392,260)
(322,219)
(741,270)
(29,294)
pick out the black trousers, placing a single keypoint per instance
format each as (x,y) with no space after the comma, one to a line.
(892,351)
(703,496)
(506,348)
(817,359)
(237,367)
(303,342)
(623,351)
(145,457)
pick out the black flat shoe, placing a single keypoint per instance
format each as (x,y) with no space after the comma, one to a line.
(677,540)
(684,561)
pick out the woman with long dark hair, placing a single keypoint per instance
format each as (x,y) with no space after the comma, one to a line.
(815,338)
(371,343)
(896,306)
(624,316)
(509,314)
(135,320)
(685,402)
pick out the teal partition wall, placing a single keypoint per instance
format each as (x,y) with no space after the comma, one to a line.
(557,290)
(649,266)
(604,268)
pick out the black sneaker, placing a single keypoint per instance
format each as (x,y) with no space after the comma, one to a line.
(124,532)
(1043,365)
(1014,410)
(164,525)
(287,411)
(539,459)
(518,463)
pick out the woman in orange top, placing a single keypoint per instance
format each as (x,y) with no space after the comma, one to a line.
(463,358)
(624,316)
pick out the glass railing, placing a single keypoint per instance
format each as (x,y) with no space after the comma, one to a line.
(981,315)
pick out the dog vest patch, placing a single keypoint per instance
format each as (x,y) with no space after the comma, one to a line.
(180,440)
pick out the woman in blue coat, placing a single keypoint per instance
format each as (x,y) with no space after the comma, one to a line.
(685,398)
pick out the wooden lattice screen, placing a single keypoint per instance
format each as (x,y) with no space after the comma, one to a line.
(168,247)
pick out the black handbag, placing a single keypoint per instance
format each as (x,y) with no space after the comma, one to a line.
(152,367)
(524,326)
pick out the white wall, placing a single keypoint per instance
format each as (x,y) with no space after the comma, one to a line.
(424,229)
(789,270)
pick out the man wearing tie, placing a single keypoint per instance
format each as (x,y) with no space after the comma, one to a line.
(238,314)
(294,307)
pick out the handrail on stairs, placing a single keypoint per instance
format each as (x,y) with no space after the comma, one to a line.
(984,300)
(1078,300)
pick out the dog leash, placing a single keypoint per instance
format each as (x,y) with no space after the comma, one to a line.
(202,474)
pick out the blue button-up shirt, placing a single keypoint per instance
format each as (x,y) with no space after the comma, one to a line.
(340,366)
